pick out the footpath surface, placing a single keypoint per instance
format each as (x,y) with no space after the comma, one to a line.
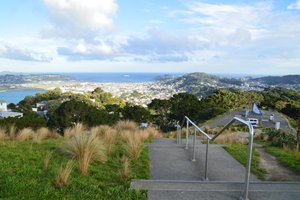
(175,176)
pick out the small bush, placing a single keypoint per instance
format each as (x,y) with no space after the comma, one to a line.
(63,175)
(153,132)
(125,171)
(280,138)
(25,134)
(85,148)
(47,159)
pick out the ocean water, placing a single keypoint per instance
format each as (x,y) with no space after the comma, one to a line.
(15,96)
(117,77)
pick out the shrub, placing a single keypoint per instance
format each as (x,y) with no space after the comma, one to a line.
(85,148)
(47,160)
(280,138)
(41,134)
(63,175)
(125,171)
(25,134)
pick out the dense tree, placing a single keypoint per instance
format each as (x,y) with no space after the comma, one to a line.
(136,113)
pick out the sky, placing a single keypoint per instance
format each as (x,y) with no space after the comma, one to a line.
(212,36)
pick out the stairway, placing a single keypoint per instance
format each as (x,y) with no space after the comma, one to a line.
(174,176)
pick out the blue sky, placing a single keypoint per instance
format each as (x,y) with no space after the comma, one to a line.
(213,36)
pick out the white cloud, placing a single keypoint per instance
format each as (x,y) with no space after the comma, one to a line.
(295,5)
(17,53)
(76,18)
(96,50)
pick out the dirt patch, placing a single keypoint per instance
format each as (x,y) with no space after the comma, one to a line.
(275,171)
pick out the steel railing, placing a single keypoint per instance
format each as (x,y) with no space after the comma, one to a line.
(212,138)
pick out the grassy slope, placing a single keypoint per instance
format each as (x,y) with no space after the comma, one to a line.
(22,175)
(240,153)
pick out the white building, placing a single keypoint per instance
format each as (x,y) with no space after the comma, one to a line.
(4,113)
(3,106)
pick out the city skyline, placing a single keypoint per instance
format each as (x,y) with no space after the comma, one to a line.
(212,36)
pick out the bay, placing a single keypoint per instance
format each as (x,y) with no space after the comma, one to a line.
(15,96)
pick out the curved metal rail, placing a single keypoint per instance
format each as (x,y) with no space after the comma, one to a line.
(212,138)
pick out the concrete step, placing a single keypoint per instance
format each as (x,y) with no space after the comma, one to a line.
(173,185)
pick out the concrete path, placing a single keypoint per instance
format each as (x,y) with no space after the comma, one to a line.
(174,176)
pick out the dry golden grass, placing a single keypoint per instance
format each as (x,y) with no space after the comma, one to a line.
(133,144)
(76,130)
(126,125)
(63,175)
(41,134)
(99,131)
(2,134)
(54,135)
(12,132)
(25,134)
(85,148)
(144,134)
(297,154)
(110,139)
(125,171)
(228,139)
(47,159)
(153,132)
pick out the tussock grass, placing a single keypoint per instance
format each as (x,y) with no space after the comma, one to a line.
(63,175)
(2,134)
(12,132)
(229,139)
(54,135)
(76,130)
(110,139)
(25,134)
(100,131)
(153,132)
(297,154)
(85,148)
(126,126)
(47,159)
(41,134)
(133,144)
(125,171)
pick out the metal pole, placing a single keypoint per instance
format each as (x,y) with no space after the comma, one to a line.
(194,146)
(177,134)
(247,177)
(187,135)
(205,172)
(180,134)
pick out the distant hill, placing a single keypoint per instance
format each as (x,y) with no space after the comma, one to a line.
(6,79)
(202,84)
(277,80)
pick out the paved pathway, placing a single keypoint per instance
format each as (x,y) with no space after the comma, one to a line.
(174,176)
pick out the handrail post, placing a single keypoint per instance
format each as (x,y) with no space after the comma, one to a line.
(177,133)
(180,133)
(194,146)
(206,159)
(247,175)
(187,135)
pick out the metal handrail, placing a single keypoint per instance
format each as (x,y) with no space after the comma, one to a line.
(209,138)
